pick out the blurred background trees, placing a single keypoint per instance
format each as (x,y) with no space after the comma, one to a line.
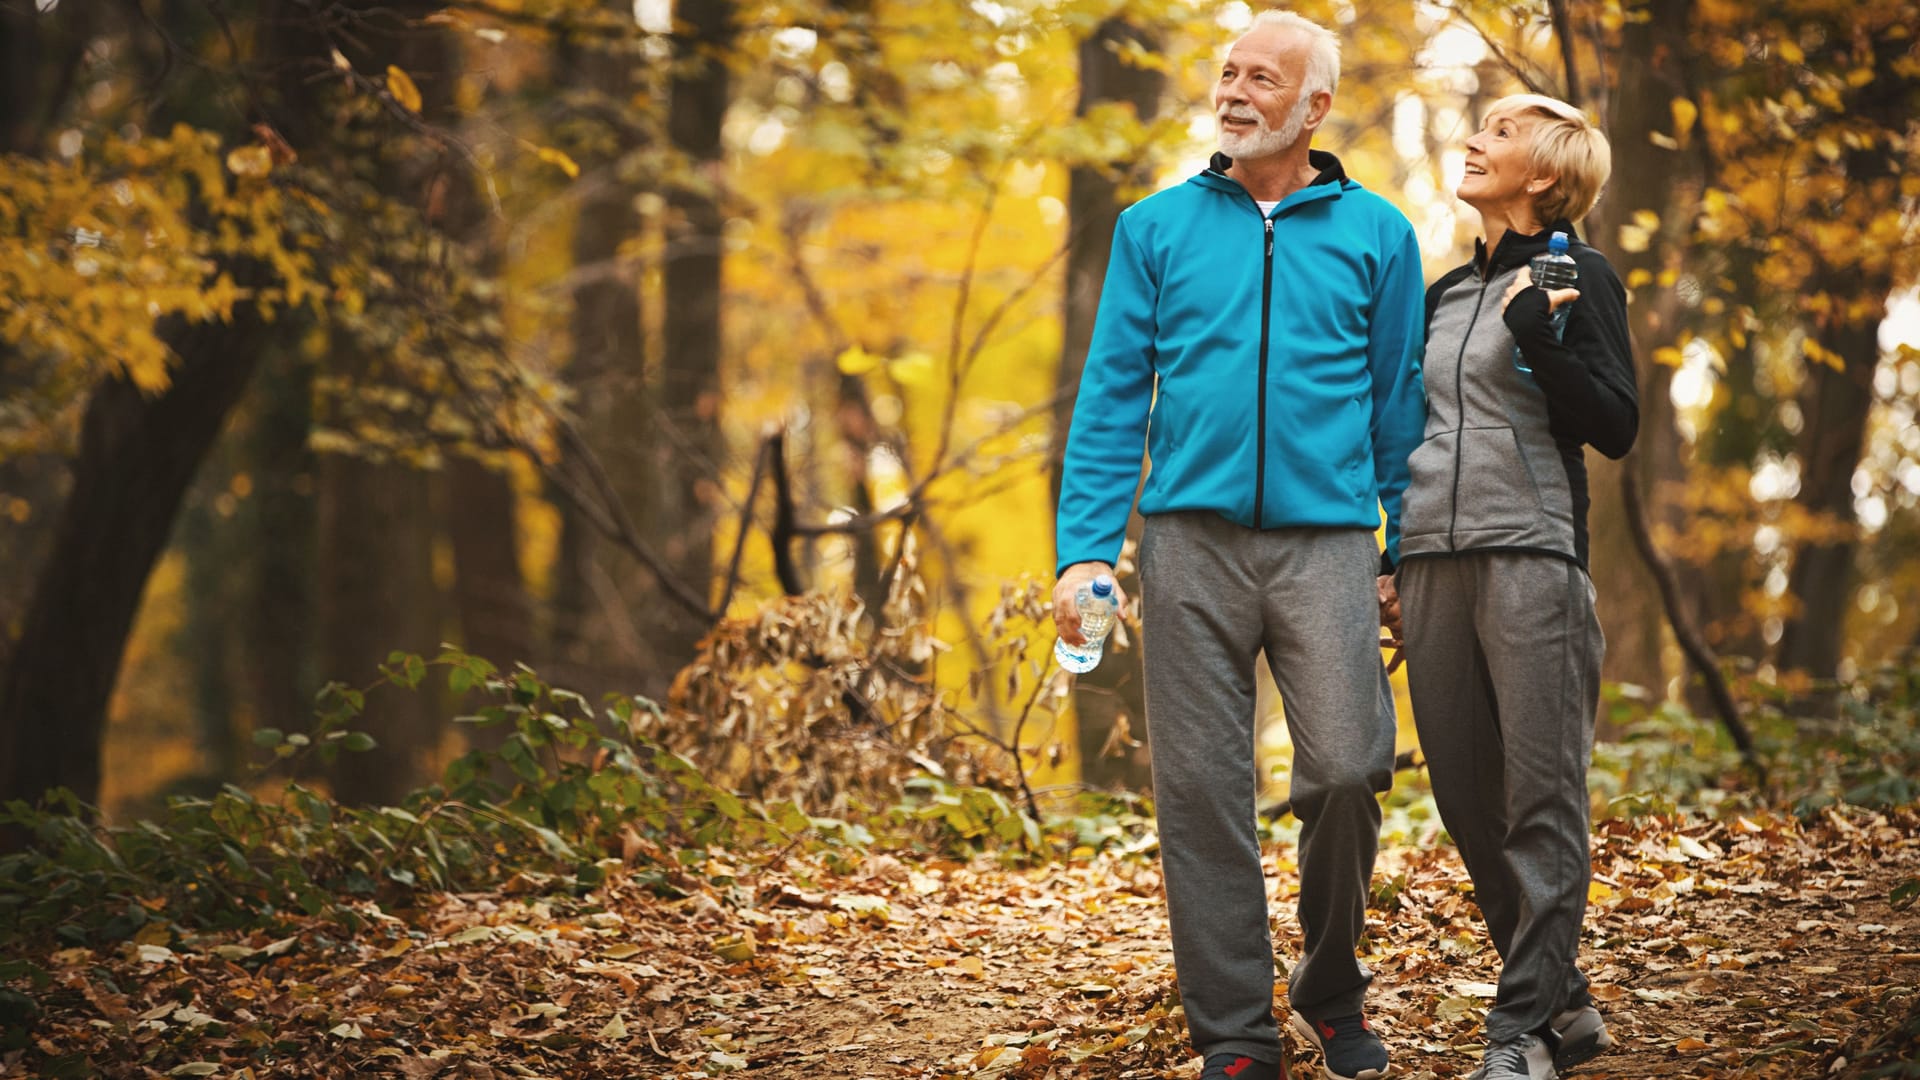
(576,331)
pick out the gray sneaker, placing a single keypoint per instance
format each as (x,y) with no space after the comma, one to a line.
(1581,1036)
(1525,1058)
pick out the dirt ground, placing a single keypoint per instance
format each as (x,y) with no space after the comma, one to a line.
(1749,947)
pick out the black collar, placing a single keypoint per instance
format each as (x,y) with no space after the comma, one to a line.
(1331,171)
(1516,248)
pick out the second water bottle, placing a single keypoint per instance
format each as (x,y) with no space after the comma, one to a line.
(1553,270)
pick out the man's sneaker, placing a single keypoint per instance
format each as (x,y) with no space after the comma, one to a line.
(1582,1036)
(1525,1058)
(1349,1050)
(1240,1067)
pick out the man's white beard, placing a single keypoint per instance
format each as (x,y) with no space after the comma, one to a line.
(1264,141)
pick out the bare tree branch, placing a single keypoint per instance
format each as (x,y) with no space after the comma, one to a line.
(746,523)
(1563,33)
(1692,643)
(1506,59)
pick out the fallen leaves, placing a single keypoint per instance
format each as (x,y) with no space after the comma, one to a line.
(1756,947)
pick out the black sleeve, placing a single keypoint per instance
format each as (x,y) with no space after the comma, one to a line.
(1589,381)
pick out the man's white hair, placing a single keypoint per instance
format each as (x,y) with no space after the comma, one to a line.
(1323,49)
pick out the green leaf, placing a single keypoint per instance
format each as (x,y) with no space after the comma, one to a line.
(1904,894)
(268,737)
(359,742)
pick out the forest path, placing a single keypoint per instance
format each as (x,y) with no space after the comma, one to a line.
(1751,947)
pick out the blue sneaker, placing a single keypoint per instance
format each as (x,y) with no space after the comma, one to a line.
(1349,1050)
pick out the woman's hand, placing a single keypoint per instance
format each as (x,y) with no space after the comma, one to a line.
(1389,608)
(1390,619)
(1524,280)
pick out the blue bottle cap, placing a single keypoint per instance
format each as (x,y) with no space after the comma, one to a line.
(1557,243)
(1103,586)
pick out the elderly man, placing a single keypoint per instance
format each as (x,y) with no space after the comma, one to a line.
(1259,335)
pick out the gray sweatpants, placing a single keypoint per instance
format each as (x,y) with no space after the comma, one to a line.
(1213,595)
(1503,660)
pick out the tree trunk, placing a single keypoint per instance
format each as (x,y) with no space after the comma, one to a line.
(1651,63)
(207,643)
(378,527)
(688,449)
(1115,691)
(279,676)
(1835,404)
(482,511)
(137,456)
(1741,424)
(377,594)
(38,53)
(592,642)
(489,593)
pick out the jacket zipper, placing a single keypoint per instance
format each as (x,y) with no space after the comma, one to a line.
(1266,314)
(1460,402)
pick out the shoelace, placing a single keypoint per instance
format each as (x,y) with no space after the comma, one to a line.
(1510,1057)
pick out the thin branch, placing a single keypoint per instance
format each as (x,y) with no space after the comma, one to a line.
(1040,683)
(1563,33)
(993,318)
(915,499)
(1506,59)
(746,522)
(783,527)
(964,293)
(623,528)
(1698,653)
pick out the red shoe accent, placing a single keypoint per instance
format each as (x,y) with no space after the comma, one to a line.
(1239,1065)
(1326,1029)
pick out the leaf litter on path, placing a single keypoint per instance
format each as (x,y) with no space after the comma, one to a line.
(1757,948)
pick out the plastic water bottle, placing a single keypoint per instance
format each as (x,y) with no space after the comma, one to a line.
(1553,270)
(1098,608)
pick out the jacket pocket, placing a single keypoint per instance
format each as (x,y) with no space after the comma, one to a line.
(1497,489)
(1429,500)
(1359,474)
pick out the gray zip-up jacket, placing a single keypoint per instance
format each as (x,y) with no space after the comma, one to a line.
(1501,466)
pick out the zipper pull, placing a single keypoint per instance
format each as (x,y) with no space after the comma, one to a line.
(1269,238)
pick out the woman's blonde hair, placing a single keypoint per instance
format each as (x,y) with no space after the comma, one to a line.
(1567,147)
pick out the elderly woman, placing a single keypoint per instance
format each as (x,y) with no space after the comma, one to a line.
(1503,649)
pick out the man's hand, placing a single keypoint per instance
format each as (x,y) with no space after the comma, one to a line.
(1524,280)
(1066,612)
(1389,607)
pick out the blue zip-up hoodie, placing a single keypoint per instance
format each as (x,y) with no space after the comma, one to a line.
(1279,361)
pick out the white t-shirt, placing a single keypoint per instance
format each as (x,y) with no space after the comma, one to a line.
(1266,208)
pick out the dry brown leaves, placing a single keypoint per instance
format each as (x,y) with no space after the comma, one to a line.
(1749,947)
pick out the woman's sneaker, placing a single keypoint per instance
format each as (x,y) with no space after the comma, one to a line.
(1580,1035)
(1349,1050)
(1525,1058)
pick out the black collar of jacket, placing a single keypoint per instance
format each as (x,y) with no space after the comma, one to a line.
(1331,171)
(1516,248)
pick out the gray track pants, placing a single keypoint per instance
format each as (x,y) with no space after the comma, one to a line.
(1213,595)
(1503,659)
